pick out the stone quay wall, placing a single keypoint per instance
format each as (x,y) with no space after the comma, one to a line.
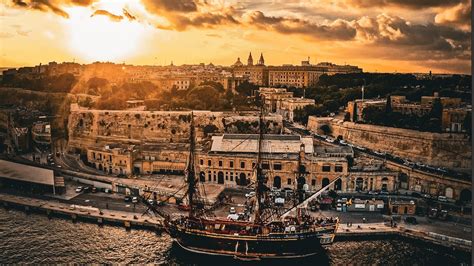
(96,127)
(437,149)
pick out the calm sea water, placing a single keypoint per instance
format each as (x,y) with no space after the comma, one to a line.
(33,238)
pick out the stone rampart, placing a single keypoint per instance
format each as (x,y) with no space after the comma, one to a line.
(451,150)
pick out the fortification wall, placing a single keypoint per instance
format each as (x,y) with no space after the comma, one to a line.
(93,127)
(438,149)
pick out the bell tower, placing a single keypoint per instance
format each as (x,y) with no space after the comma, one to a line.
(250,60)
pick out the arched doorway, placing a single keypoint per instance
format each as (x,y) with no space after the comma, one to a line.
(242,179)
(448,192)
(277,182)
(100,167)
(338,185)
(202,177)
(325,182)
(220,178)
(359,184)
(466,195)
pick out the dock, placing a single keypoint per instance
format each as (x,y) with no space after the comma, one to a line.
(83,213)
(378,230)
(135,220)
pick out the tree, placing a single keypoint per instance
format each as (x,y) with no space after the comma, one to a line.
(388,105)
(373,114)
(354,113)
(246,88)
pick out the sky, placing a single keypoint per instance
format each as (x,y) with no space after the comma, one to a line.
(376,35)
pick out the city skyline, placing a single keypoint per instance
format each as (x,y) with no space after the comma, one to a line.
(396,36)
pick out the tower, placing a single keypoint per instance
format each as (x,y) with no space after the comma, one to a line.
(250,60)
(261,61)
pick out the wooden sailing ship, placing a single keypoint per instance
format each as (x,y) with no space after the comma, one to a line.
(267,234)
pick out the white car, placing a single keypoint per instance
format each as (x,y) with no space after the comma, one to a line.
(135,200)
(79,189)
(249,195)
(442,199)
(232,210)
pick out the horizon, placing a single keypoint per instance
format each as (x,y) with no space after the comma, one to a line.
(377,37)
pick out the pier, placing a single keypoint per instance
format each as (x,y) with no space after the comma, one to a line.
(80,212)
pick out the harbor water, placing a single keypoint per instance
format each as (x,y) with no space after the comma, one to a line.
(35,238)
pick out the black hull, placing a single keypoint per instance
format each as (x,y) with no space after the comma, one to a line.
(252,247)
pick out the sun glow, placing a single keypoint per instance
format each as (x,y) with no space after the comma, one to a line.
(98,38)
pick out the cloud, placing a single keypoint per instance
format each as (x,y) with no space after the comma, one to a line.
(162,6)
(54,6)
(458,15)
(337,30)
(111,16)
(411,4)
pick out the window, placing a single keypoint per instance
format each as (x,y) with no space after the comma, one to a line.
(313,182)
(201,162)
(277,166)
(209,162)
(338,168)
(326,168)
(242,164)
(289,181)
(265,165)
(231,164)
(220,163)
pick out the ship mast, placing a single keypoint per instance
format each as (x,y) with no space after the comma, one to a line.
(260,190)
(190,176)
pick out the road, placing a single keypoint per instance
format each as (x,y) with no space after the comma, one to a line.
(382,156)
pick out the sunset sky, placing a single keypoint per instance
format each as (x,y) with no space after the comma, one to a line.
(377,35)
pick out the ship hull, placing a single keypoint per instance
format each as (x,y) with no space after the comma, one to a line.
(254,247)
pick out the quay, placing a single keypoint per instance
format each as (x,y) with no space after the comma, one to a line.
(80,212)
(136,220)
(381,230)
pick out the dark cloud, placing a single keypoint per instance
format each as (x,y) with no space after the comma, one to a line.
(337,30)
(412,4)
(106,13)
(163,6)
(50,5)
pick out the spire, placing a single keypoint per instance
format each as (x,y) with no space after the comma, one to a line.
(261,61)
(250,60)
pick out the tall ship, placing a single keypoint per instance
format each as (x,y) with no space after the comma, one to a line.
(268,233)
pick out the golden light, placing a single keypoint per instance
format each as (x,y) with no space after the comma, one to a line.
(98,38)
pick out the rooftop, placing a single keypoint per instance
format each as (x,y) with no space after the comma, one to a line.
(248,143)
(26,173)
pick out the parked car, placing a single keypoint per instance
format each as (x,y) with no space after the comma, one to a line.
(410,220)
(384,193)
(372,192)
(249,195)
(79,189)
(426,196)
(87,189)
(127,198)
(232,210)
(151,202)
(106,190)
(442,199)
(135,200)
(94,190)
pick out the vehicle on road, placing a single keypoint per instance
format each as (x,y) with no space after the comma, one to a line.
(232,210)
(79,189)
(151,202)
(135,200)
(127,198)
(426,196)
(87,189)
(343,142)
(372,192)
(251,194)
(330,140)
(442,199)
(384,193)
(94,190)
(411,220)
(106,190)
